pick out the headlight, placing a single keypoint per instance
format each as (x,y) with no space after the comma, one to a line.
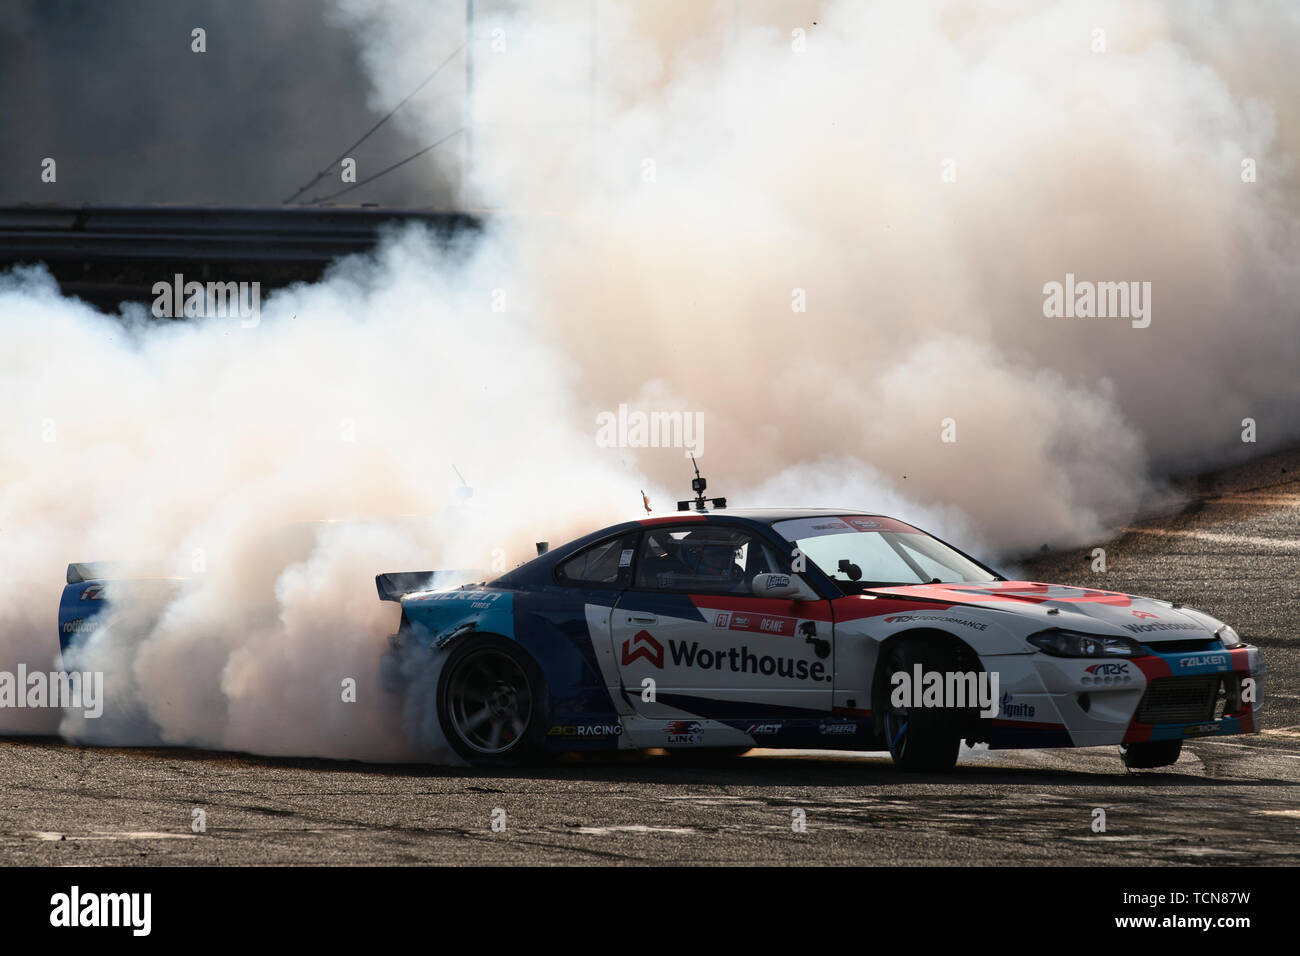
(1228,636)
(1069,644)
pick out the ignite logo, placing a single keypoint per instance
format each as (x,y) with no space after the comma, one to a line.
(1014,710)
(644,645)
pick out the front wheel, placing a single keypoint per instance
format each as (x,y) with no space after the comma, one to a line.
(1151,753)
(490,703)
(922,738)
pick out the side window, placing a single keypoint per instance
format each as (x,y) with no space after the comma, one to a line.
(606,564)
(708,558)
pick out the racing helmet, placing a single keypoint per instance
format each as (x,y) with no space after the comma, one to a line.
(706,555)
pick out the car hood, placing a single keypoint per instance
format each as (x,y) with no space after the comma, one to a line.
(1072,608)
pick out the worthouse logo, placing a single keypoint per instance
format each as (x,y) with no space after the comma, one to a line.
(644,645)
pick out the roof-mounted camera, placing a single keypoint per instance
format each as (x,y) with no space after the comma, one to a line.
(698,485)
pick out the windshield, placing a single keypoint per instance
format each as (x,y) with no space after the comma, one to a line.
(860,552)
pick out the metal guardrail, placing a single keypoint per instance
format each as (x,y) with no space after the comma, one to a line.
(109,253)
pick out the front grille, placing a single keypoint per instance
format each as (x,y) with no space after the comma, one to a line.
(1165,647)
(1179,700)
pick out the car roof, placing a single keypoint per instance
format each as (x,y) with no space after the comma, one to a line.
(770,515)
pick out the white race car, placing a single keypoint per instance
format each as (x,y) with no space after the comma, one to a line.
(725,630)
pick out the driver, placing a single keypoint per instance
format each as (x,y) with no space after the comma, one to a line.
(709,557)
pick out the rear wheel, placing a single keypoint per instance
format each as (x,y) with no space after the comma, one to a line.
(922,738)
(1151,753)
(490,702)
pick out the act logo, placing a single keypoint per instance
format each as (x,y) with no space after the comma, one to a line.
(644,645)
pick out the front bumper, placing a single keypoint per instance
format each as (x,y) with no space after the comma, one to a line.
(1165,695)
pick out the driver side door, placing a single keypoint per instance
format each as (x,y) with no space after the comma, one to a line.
(691,624)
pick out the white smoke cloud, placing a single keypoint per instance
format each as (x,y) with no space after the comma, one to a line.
(667,185)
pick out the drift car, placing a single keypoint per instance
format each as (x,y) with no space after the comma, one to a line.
(726,630)
(715,632)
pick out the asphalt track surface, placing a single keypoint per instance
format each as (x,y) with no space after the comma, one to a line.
(1234,552)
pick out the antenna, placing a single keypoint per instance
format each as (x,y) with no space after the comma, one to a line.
(464,492)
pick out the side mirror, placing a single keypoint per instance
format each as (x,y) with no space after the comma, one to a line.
(782,586)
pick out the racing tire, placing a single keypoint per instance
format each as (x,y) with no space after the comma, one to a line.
(491,703)
(1150,754)
(925,739)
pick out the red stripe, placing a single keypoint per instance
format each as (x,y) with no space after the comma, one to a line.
(1152,667)
(760,607)
(1138,733)
(858,606)
(851,711)
(675,519)
(1028,725)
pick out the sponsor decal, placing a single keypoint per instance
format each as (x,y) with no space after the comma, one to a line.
(836,728)
(643,644)
(763,730)
(1016,711)
(585,730)
(1200,730)
(864,524)
(93,592)
(763,624)
(722,620)
(1142,615)
(1207,660)
(775,581)
(909,618)
(684,732)
(1160,626)
(740,660)
(81,625)
(1109,669)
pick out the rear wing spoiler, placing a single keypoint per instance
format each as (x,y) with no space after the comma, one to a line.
(86,571)
(395,585)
